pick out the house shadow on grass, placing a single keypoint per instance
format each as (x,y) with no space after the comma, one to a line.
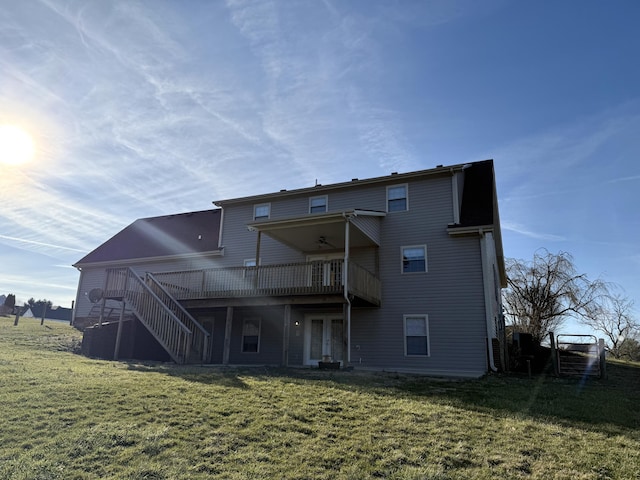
(224,377)
(607,405)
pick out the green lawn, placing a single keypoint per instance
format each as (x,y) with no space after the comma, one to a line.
(69,417)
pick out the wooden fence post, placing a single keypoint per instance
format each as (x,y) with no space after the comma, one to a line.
(554,355)
(15,322)
(44,312)
(603,359)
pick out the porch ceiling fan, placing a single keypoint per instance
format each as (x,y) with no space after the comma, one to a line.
(322,242)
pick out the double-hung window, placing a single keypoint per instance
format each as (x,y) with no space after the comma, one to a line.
(318,204)
(397,198)
(251,335)
(250,268)
(262,211)
(414,259)
(416,334)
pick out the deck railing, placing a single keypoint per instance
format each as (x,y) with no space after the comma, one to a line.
(309,278)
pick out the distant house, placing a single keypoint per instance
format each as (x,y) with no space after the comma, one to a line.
(52,313)
(401,272)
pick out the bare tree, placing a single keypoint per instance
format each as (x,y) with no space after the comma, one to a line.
(541,294)
(630,349)
(613,317)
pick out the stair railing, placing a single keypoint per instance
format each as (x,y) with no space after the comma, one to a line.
(200,338)
(162,323)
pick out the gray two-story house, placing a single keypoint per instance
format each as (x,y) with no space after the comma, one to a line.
(400,273)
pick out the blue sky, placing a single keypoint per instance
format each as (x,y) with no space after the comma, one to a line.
(144,108)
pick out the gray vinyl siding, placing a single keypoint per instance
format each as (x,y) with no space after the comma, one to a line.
(453,300)
(90,278)
(296,338)
(450,292)
(369,225)
(240,243)
(270,346)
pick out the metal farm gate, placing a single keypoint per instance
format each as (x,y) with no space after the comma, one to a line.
(578,355)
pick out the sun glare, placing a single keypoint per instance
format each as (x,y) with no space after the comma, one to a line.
(16,145)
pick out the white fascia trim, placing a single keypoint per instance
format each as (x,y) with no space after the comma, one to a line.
(455,198)
(475,229)
(137,261)
(310,219)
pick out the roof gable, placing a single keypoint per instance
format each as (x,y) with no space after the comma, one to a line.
(169,235)
(478,195)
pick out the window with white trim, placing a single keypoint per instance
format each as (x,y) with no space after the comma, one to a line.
(262,211)
(416,335)
(251,335)
(318,204)
(397,198)
(414,259)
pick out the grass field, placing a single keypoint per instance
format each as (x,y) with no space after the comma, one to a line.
(64,416)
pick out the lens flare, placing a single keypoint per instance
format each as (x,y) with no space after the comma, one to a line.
(16,145)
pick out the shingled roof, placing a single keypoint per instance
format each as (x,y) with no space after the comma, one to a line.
(169,235)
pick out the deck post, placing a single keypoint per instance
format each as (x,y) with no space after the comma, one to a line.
(227,336)
(116,350)
(285,334)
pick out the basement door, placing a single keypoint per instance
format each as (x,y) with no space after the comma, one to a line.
(323,338)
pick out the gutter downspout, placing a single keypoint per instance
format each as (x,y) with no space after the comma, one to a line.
(487,297)
(345,276)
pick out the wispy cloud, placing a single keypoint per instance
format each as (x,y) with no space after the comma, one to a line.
(527,232)
(41,244)
(632,178)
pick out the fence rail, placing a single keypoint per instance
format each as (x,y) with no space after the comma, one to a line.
(580,355)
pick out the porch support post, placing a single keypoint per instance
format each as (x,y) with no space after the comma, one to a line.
(255,277)
(116,350)
(227,336)
(345,279)
(285,334)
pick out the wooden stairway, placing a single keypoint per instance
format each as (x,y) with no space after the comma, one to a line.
(184,339)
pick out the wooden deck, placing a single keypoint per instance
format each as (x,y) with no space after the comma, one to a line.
(319,278)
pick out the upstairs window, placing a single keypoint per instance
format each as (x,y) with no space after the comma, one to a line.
(261,212)
(249,270)
(251,335)
(397,200)
(414,259)
(318,204)
(416,335)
